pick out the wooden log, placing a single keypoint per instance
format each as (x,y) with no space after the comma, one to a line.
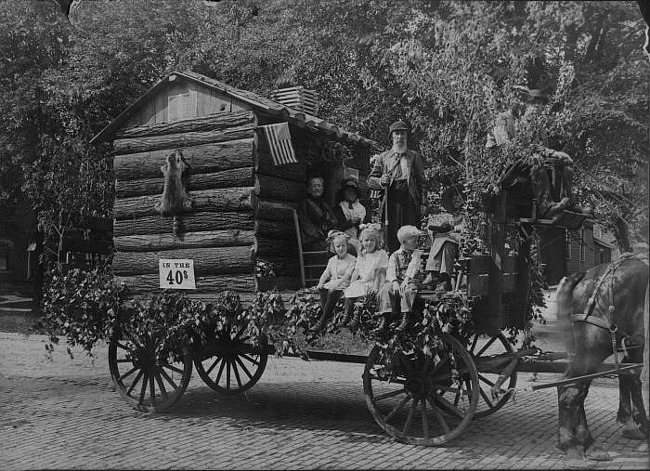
(213,122)
(192,222)
(273,229)
(148,283)
(279,189)
(150,243)
(264,165)
(193,182)
(207,261)
(275,210)
(221,199)
(204,158)
(180,140)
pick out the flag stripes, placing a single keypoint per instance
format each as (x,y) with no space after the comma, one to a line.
(279,140)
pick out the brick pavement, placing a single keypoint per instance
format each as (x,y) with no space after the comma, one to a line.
(60,413)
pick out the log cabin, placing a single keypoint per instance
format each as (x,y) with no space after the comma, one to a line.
(243,203)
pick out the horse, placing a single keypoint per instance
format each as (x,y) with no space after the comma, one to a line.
(602,312)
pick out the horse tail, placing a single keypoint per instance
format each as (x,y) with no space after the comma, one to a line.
(563,300)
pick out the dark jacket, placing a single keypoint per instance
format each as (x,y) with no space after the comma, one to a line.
(317,218)
(417,181)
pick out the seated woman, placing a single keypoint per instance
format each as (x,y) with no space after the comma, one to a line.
(369,273)
(350,213)
(446,227)
(316,216)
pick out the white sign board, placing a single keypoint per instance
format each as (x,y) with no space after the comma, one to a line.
(176,273)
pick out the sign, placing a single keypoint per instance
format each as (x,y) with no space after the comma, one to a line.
(176,273)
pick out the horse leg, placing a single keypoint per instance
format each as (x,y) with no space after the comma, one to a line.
(624,414)
(567,397)
(631,411)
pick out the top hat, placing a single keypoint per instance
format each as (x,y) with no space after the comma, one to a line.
(397,125)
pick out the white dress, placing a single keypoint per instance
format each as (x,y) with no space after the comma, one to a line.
(336,270)
(369,267)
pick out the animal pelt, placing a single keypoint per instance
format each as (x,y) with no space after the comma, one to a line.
(174,200)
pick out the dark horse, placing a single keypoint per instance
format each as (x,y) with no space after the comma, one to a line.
(598,309)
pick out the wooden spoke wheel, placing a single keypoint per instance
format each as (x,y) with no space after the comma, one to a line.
(232,363)
(482,347)
(147,380)
(407,397)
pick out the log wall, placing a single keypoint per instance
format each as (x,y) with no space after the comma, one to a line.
(218,233)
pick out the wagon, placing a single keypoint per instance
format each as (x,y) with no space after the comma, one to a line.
(243,216)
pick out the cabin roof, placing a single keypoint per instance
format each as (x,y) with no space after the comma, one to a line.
(273,109)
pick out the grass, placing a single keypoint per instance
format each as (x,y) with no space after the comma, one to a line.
(18,322)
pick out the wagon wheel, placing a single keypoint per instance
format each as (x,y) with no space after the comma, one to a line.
(482,347)
(232,363)
(147,380)
(407,402)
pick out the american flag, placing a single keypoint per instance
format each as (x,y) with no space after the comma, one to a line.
(279,139)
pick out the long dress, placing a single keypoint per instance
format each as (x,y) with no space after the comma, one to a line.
(371,268)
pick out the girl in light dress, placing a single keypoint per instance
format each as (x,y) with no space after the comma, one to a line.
(369,272)
(335,277)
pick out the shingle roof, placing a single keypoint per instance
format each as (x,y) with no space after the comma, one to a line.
(263,104)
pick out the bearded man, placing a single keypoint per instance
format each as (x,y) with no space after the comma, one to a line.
(400,173)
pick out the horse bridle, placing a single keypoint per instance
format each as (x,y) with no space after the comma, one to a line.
(607,324)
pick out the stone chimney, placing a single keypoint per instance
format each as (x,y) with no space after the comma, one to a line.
(297,98)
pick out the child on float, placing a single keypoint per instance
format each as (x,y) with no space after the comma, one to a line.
(369,272)
(335,277)
(403,279)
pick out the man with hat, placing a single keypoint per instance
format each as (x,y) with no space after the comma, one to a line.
(400,173)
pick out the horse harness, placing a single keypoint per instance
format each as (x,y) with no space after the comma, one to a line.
(607,324)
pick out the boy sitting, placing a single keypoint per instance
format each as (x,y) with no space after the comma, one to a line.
(402,279)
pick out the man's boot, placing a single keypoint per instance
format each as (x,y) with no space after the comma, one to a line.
(383,324)
(406,321)
(349,307)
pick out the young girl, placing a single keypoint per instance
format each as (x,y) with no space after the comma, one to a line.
(369,272)
(336,276)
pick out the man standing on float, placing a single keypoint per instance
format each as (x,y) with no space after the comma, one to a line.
(400,172)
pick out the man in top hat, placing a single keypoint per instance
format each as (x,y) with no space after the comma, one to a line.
(400,172)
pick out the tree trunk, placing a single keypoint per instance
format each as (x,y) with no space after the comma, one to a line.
(204,158)
(146,284)
(181,140)
(215,122)
(149,243)
(223,199)
(192,222)
(279,189)
(207,261)
(193,182)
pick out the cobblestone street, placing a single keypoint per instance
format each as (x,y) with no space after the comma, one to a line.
(65,413)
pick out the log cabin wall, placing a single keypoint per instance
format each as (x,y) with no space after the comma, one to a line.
(218,233)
